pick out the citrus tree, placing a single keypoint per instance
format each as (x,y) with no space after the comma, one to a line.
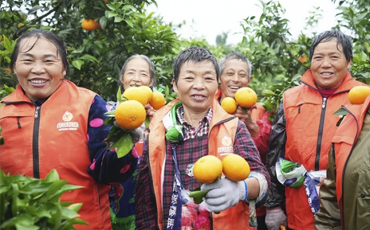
(100,35)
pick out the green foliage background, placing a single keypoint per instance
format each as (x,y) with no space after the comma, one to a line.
(96,56)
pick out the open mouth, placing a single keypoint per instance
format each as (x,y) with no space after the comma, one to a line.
(38,82)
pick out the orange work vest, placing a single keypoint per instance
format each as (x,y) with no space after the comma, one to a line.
(54,136)
(310,127)
(236,217)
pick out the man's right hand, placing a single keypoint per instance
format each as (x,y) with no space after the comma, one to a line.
(274,218)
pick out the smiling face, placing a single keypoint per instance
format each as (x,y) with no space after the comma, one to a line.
(196,86)
(38,67)
(329,65)
(233,77)
(137,73)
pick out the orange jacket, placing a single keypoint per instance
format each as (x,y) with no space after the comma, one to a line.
(344,139)
(39,139)
(310,127)
(236,217)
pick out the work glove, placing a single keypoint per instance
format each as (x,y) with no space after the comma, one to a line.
(136,134)
(224,194)
(274,218)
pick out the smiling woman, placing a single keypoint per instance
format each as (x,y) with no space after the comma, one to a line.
(51,124)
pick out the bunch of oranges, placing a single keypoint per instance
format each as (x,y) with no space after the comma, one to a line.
(209,168)
(131,114)
(244,97)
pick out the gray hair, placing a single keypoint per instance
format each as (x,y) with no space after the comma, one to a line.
(236,56)
(153,79)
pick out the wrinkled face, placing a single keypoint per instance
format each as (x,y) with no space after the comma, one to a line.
(196,86)
(233,77)
(39,70)
(137,73)
(329,65)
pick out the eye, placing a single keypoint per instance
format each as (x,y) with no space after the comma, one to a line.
(27,61)
(243,75)
(229,74)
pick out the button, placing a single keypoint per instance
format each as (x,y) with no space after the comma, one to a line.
(363,195)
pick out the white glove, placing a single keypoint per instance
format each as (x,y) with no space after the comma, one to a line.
(224,194)
(274,218)
(136,134)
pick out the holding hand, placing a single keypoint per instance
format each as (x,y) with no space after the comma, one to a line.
(136,134)
(274,218)
(224,194)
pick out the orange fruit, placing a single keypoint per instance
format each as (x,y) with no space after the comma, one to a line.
(235,167)
(130,114)
(358,94)
(8,70)
(229,105)
(97,24)
(207,169)
(158,100)
(88,24)
(136,93)
(148,92)
(302,59)
(246,97)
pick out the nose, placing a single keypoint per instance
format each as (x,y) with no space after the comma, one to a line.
(38,67)
(326,62)
(199,83)
(235,77)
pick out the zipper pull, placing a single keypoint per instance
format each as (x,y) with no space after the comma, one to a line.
(37,112)
(324,102)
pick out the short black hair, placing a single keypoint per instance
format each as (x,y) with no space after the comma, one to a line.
(342,39)
(194,54)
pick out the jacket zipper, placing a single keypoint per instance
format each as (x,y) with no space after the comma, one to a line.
(35,143)
(319,136)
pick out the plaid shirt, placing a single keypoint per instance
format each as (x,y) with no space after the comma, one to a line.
(194,146)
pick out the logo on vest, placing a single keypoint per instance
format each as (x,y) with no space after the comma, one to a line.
(67,124)
(227,147)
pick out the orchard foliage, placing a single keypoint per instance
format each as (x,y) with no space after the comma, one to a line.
(95,57)
(124,27)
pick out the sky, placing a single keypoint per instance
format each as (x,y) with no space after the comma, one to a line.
(209,18)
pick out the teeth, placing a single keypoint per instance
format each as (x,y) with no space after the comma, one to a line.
(326,74)
(236,88)
(37,81)
(198,96)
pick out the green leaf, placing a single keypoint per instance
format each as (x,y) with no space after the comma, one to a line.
(123,145)
(89,57)
(118,19)
(341,112)
(78,63)
(75,207)
(119,95)
(110,113)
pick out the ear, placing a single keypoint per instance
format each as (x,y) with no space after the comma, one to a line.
(349,64)
(250,79)
(174,86)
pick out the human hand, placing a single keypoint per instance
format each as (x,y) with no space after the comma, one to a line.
(136,134)
(246,117)
(274,218)
(222,195)
(149,111)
